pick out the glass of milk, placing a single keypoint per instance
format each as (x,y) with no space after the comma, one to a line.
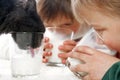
(56,37)
(26,58)
(90,40)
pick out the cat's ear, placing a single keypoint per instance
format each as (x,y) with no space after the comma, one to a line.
(31,10)
(30,5)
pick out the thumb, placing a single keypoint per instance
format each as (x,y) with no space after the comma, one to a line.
(86,50)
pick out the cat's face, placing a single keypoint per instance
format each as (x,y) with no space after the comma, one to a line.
(19,16)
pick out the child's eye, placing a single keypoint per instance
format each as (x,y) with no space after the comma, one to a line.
(99,31)
(66,25)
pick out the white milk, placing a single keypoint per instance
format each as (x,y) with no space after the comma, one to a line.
(25,65)
(57,36)
(55,51)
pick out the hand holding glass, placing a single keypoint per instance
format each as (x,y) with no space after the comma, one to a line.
(89,40)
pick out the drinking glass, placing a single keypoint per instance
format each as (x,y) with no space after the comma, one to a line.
(57,36)
(89,40)
(26,58)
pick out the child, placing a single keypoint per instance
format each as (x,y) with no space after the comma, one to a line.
(58,13)
(104,16)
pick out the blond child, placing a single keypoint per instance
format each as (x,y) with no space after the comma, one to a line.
(104,16)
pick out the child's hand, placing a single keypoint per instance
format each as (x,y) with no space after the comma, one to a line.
(67,46)
(96,62)
(47,47)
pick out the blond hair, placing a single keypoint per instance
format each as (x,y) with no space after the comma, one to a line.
(107,7)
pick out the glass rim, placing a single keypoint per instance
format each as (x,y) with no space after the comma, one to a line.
(60,28)
(99,36)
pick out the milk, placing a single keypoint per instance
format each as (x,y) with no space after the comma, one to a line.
(55,51)
(56,37)
(25,64)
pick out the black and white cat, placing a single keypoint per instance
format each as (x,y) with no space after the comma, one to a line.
(17,16)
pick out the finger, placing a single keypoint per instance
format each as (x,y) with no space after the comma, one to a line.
(90,51)
(85,49)
(66,48)
(64,61)
(79,68)
(48,46)
(47,54)
(80,56)
(46,39)
(45,60)
(69,42)
(63,55)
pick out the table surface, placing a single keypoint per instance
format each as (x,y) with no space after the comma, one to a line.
(46,73)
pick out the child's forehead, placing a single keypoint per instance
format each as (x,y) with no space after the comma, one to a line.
(58,19)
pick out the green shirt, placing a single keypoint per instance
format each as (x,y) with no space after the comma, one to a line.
(113,73)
